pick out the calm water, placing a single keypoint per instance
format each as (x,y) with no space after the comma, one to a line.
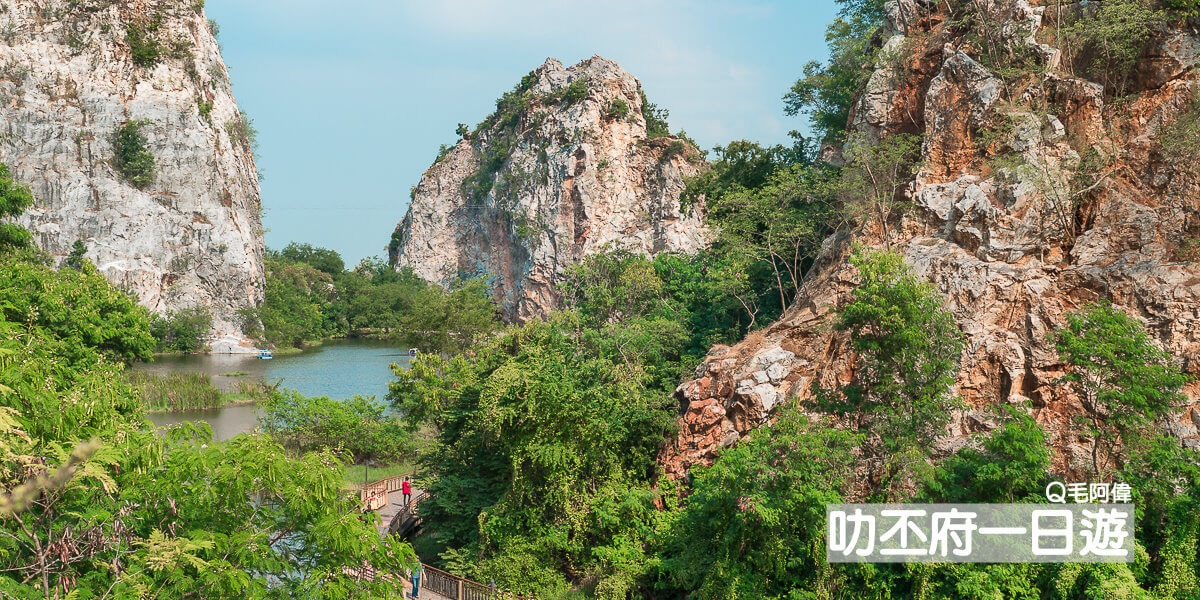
(338,369)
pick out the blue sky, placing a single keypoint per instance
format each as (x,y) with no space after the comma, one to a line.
(353,97)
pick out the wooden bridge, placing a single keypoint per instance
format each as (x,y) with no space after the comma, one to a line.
(401,520)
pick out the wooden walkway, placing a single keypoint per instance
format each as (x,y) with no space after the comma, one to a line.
(386,500)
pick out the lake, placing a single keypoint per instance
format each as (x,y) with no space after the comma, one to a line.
(337,369)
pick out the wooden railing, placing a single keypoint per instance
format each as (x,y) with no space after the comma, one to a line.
(457,588)
(434,580)
(374,495)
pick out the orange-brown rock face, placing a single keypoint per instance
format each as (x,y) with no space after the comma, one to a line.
(1078,201)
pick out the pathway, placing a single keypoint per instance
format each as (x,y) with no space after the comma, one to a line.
(437,584)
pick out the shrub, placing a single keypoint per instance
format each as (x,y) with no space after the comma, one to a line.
(575,92)
(1107,40)
(676,148)
(144,50)
(656,118)
(182,331)
(131,157)
(358,426)
(205,109)
(1188,7)
(1189,251)
(14,199)
(77,256)
(241,130)
(617,109)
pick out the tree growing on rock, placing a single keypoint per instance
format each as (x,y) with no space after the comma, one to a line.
(14,199)
(908,347)
(1125,381)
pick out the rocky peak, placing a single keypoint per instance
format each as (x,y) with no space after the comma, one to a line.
(1035,196)
(186,233)
(567,165)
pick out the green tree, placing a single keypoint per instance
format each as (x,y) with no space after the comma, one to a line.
(130,156)
(1012,465)
(185,330)
(14,199)
(779,224)
(656,118)
(1125,381)
(79,306)
(452,321)
(907,348)
(77,256)
(753,526)
(124,511)
(545,444)
(356,426)
(826,92)
(321,259)
(1107,39)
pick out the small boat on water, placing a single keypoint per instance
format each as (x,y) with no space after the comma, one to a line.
(413,351)
(266,355)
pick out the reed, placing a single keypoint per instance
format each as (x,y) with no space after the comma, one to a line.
(176,391)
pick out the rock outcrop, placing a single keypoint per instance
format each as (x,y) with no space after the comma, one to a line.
(71,73)
(563,169)
(1071,199)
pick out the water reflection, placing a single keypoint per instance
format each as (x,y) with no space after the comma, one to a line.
(338,369)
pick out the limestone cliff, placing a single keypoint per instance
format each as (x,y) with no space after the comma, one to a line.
(71,73)
(563,169)
(1036,195)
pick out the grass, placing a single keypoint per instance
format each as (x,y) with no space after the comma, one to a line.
(354,473)
(235,374)
(175,392)
(190,391)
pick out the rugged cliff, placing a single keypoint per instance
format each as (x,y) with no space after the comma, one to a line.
(73,72)
(1038,192)
(564,168)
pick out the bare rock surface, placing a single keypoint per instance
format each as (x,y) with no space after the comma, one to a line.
(68,80)
(1013,245)
(568,178)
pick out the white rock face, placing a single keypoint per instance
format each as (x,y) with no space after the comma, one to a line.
(67,82)
(578,178)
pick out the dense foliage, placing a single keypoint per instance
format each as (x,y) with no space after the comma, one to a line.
(547,438)
(96,504)
(310,296)
(14,199)
(131,157)
(185,330)
(356,427)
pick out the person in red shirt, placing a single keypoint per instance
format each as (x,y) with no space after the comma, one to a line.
(406,489)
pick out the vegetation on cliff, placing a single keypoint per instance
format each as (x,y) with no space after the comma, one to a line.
(528,490)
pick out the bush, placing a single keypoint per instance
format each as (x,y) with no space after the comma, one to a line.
(656,118)
(144,50)
(1188,7)
(617,109)
(131,157)
(1107,40)
(321,259)
(14,199)
(357,426)
(576,91)
(242,131)
(182,331)
(77,256)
